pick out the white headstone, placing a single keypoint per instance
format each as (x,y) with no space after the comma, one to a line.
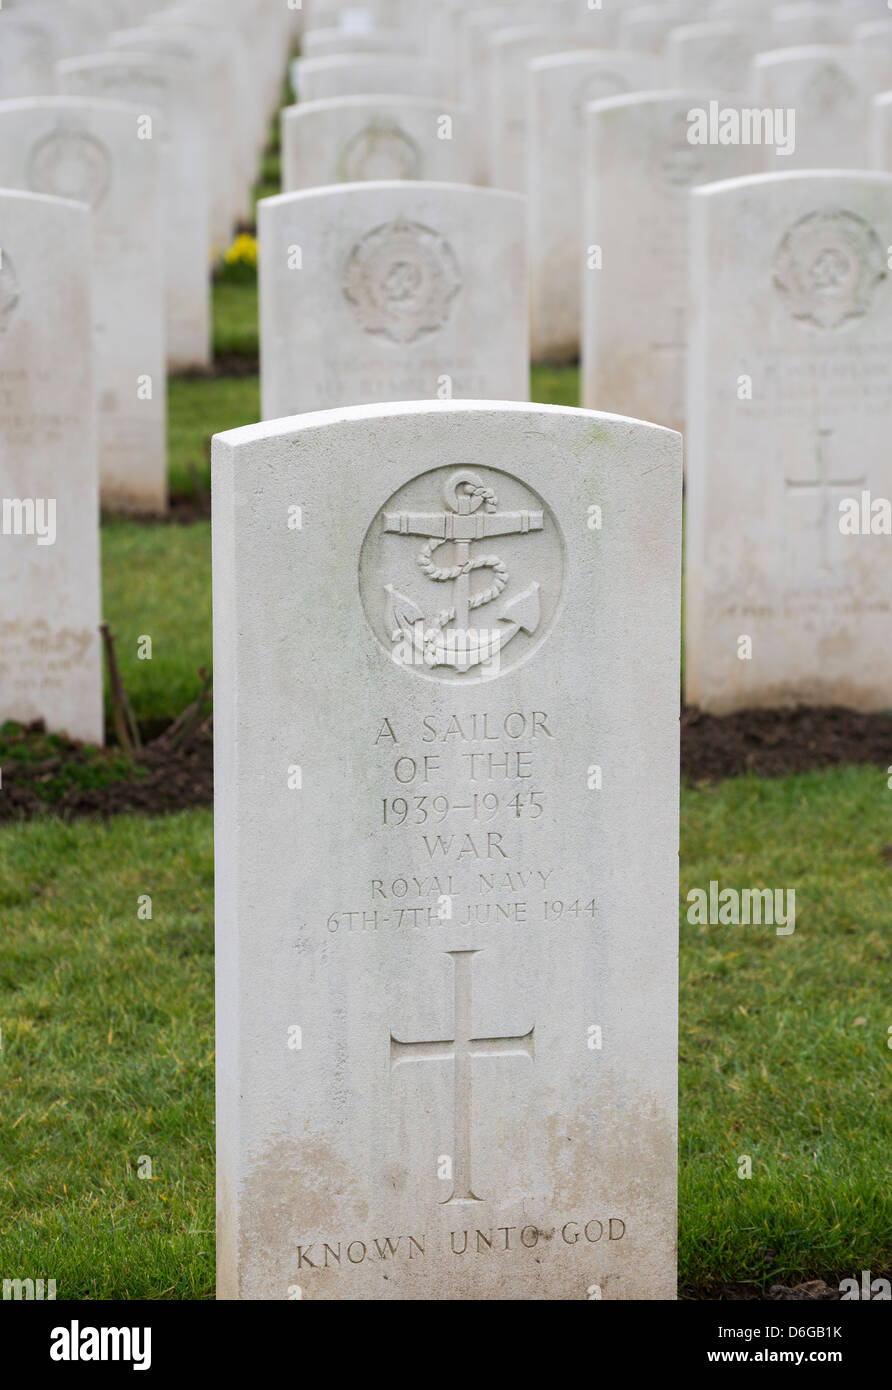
(391,291)
(364,74)
(510,53)
(190,48)
(881,132)
(560,88)
(50,655)
(808,23)
(647,27)
(27,54)
(160,86)
(90,151)
(716,53)
(639,168)
(236,109)
(353,139)
(873,43)
(441,34)
(358,19)
(789,420)
(601,21)
(326,43)
(826,86)
(106,15)
(447,1038)
(474,71)
(754,11)
(54,32)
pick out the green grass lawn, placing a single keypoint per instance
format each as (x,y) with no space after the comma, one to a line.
(156,583)
(108,1046)
(784,1053)
(235,319)
(107,1057)
(198,409)
(106,1020)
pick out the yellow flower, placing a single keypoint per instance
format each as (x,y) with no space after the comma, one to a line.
(243,251)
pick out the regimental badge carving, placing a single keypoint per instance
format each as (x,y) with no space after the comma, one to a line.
(828,90)
(382,150)
(401,280)
(596,87)
(461,573)
(71,163)
(10,293)
(828,267)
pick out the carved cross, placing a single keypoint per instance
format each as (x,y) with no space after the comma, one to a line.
(823,485)
(461,1050)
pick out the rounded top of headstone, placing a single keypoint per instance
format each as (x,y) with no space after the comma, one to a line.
(404,188)
(712,28)
(72,206)
(803,53)
(388,410)
(579,57)
(87,104)
(376,101)
(857,177)
(656,97)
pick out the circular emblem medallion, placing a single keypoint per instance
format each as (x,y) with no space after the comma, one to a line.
(828,267)
(71,164)
(461,573)
(381,151)
(401,280)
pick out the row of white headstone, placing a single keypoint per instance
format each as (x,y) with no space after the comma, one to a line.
(517,120)
(829,83)
(628,154)
(418,309)
(447,785)
(141,134)
(105,259)
(412,290)
(440,32)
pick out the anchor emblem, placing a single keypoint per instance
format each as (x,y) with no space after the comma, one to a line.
(448,638)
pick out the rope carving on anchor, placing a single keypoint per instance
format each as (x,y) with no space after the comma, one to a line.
(443,573)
